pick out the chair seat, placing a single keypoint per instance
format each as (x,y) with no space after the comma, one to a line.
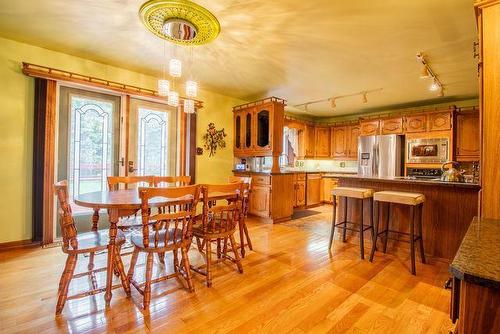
(353,192)
(399,197)
(95,241)
(137,240)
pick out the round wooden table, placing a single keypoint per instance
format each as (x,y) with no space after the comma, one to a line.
(120,203)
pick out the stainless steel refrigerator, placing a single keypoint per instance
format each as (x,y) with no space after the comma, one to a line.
(380,156)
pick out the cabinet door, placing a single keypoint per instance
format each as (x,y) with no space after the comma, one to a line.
(326,185)
(370,128)
(259,201)
(300,193)
(416,123)
(263,128)
(467,142)
(313,190)
(339,142)
(310,137)
(322,142)
(440,121)
(352,141)
(392,126)
(248,122)
(238,131)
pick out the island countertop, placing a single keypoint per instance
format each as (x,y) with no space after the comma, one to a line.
(403,179)
(478,258)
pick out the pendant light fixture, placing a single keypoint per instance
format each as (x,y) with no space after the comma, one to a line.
(173,99)
(191,88)
(175,68)
(163,87)
(189,106)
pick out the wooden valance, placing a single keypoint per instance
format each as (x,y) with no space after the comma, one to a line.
(39,71)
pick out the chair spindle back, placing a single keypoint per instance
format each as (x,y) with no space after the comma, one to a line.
(220,219)
(66,221)
(178,181)
(115,181)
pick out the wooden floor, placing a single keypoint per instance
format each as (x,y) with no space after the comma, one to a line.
(290,284)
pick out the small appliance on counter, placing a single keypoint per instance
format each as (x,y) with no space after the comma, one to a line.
(452,174)
(380,156)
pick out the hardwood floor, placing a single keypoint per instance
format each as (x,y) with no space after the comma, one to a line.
(290,284)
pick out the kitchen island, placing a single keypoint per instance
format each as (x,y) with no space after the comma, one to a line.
(448,209)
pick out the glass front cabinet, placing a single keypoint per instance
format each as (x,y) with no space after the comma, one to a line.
(258,128)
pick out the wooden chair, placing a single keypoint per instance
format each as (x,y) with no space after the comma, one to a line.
(177,181)
(75,244)
(242,226)
(171,231)
(218,223)
(129,221)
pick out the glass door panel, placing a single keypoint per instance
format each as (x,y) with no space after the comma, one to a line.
(88,144)
(153,139)
(263,128)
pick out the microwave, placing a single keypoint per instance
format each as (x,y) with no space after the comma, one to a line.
(427,150)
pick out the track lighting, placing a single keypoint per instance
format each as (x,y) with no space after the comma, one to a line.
(434,86)
(365,99)
(333,99)
(427,72)
(333,104)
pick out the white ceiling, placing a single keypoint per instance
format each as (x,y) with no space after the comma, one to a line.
(295,49)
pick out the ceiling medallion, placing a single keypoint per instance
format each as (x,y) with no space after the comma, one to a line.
(180,21)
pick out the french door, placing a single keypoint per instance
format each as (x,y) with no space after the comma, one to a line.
(97,139)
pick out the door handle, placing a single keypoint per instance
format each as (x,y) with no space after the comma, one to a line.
(131,168)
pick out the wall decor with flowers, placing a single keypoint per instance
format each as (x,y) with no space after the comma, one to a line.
(214,139)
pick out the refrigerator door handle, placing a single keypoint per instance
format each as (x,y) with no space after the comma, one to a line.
(377,159)
(374,162)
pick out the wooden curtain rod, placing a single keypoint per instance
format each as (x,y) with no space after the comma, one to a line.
(39,71)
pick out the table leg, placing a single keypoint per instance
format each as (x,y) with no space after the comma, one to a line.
(113,220)
(95,219)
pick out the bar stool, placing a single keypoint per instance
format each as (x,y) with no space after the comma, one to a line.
(356,193)
(414,201)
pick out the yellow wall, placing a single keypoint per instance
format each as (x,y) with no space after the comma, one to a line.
(16,127)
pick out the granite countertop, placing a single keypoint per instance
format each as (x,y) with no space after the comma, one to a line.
(402,179)
(285,171)
(478,258)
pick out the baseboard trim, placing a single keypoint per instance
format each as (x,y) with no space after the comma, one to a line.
(19,244)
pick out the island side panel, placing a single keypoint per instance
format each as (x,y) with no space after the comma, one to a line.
(447,213)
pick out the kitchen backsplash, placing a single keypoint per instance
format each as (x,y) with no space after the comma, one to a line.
(327,165)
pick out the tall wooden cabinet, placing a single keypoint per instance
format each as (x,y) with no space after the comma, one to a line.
(467,144)
(258,128)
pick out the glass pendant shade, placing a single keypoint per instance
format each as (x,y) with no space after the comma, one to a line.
(175,68)
(189,106)
(173,99)
(191,88)
(163,87)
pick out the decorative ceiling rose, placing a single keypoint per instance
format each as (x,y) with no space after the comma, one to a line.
(180,21)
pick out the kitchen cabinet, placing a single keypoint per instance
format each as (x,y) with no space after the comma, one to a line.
(260,200)
(339,142)
(313,189)
(391,126)
(258,128)
(353,132)
(327,185)
(370,127)
(439,121)
(310,137)
(416,123)
(299,199)
(467,146)
(322,141)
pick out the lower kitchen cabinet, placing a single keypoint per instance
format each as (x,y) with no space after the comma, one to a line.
(313,189)
(327,185)
(260,200)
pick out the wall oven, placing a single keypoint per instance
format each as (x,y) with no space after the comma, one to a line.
(427,150)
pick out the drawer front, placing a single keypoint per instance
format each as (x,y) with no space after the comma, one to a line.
(261,179)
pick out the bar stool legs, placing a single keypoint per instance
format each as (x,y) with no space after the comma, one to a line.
(343,225)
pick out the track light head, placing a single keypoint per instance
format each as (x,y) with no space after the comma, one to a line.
(332,102)
(441,92)
(434,86)
(425,72)
(365,98)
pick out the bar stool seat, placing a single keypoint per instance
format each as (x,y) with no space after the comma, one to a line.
(360,194)
(415,201)
(399,197)
(352,192)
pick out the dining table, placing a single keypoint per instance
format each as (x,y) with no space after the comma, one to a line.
(121,203)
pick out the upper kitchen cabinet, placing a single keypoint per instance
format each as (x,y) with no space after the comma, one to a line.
(353,132)
(258,128)
(392,126)
(439,121)
(339,142)
(322,142)
(467,144)
(310,137)
(416,123)
(370,127)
